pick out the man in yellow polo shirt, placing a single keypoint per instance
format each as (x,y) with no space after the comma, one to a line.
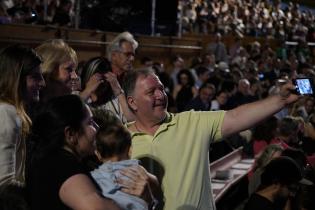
(179,142)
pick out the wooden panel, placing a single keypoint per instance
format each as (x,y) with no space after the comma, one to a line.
(90,43)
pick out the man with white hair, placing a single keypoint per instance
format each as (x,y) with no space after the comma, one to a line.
(121,53)
(242,96)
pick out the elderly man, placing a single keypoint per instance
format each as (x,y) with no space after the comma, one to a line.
(121,54)
(179,143)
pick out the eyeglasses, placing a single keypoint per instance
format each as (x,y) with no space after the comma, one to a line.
(127,54)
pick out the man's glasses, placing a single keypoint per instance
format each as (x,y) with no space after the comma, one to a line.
(128,54)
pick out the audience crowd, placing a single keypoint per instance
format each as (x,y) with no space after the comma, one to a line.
(262,18)
(63,143)
(48,128)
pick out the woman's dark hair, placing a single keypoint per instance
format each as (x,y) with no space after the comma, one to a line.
(49,125)
(191,81)
(100,65)
(266,130)
(297,155)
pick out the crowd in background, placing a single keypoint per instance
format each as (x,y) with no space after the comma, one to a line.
(55,12)
(222,79)
(63,132)
(262,18)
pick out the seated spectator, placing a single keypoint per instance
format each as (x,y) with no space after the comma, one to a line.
(279,182)
(297,201)
(304,108)
(23,12)
(20,82)
(203,75)
(147,62)
(208,61)
(263,133)
(202,102)
(220,100)
(64,132)
(178,64)
(113,144)
(242,96)
(270,152)
(62,15)
(185,90)
(287,132)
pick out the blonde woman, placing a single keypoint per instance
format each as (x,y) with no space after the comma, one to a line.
(59,66)
(20,82)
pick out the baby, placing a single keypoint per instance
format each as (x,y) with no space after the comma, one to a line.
(112,149)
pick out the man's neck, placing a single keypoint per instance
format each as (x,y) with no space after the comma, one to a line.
(146,126)
(268,192)
(117,71)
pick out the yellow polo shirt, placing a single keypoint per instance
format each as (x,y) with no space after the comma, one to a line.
(180,146)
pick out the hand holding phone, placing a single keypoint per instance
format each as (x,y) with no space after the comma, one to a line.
(304,86)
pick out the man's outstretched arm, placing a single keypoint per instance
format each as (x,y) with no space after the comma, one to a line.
(248,115)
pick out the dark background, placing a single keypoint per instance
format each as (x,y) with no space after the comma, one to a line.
(131,15)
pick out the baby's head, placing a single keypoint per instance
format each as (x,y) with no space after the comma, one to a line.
(113,143)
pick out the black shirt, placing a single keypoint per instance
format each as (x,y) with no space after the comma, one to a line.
(46,176)
(258,202)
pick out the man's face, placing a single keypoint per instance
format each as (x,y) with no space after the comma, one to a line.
(149,99)
(209,59)
(179,63)
(309,106)
(206,95)
(244,87)
(124,58)
(222,98)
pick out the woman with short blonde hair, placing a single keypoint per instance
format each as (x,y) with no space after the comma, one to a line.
(59,66)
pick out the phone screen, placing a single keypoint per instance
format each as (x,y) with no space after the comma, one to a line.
(304,86)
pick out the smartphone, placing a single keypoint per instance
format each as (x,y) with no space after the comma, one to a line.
(304,86)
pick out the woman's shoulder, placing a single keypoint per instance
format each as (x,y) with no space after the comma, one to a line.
(7,108)
(8,114)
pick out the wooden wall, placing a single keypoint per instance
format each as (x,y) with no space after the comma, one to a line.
(90,43)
